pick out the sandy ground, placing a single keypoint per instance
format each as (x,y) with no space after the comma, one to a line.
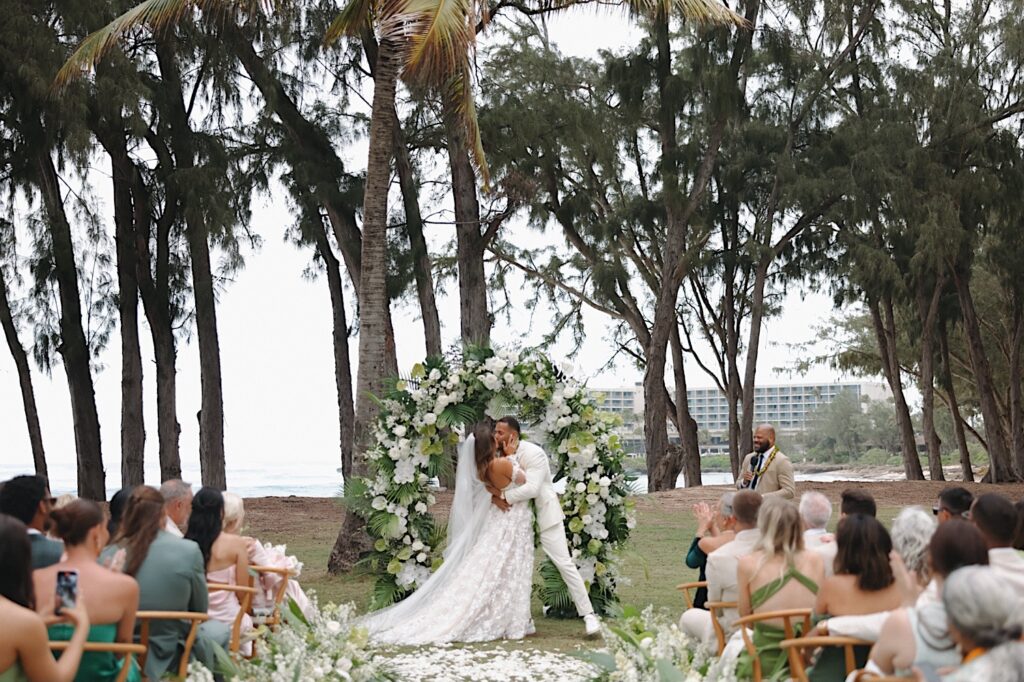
(284,514)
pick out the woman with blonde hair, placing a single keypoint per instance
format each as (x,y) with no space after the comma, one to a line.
(780,574)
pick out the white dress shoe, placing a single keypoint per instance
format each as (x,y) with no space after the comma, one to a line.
(592,624)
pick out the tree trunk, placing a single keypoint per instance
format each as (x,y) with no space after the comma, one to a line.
(686,424)
(28,396)
(353,540)
(74,348)
(928,310)
(750,371)
(885,333)
(1016,407)
(1001,465)
(954,409)
(211,414)
(342,362)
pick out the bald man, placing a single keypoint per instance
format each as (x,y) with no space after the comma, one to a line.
(766,469)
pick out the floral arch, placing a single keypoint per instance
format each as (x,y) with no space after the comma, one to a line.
(418,424)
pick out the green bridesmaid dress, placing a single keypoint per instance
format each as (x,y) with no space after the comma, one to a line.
(96,666)
(766,638)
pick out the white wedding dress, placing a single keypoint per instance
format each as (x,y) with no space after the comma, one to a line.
(482,590)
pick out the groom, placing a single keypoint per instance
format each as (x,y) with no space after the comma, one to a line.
(548,510)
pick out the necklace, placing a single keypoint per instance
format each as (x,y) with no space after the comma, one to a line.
(771,458)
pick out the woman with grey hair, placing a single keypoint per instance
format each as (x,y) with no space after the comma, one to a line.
(985,622)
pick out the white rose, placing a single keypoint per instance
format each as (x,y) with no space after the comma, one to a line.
(421,508)
(429,418)
(379,503)
(581,487)
(417,546)
(400,430)
(421,557)
(333,627)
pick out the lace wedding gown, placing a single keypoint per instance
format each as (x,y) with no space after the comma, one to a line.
(482,590)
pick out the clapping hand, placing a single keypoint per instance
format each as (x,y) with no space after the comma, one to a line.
(705,518)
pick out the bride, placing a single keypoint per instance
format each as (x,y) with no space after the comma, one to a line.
(482,590)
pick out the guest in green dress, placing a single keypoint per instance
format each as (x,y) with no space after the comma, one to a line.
(24,648)
(110,598)
(780,574)
(863,583)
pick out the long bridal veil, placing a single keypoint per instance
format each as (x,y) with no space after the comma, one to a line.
(465,523)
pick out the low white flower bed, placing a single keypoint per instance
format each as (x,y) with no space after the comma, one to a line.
(444,664)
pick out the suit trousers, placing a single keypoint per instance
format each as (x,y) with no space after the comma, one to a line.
(696,624)
(553,541)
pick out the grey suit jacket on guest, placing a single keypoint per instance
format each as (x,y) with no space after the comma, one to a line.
(45,552)
(173,578)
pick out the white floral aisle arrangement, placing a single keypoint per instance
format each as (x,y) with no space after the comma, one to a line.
(451,664)
(418,426)
(644,646)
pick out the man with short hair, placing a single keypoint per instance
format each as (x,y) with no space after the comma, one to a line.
(766,469)
(815,513)
(177,505)
(27,498)
(954,503)
(996,518)
(721,570)
(857,501)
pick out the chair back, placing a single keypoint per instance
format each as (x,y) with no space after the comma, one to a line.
(686,587)
(245,595)
(787,616)
(126,651)
(144,618)
(716,608)
(799,652)
(285,574)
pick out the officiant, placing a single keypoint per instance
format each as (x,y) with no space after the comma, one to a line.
(766,469)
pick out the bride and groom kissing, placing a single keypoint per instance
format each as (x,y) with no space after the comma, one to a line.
(482,590)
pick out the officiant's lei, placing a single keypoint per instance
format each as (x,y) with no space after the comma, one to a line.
(764,466)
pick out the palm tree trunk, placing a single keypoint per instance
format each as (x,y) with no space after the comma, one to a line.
(353,540)
(28,396)
(342,362)
(211,414)
(74,348)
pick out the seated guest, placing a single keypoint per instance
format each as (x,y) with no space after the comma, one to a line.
(24,647)
(177,505)
(815,513)
(996,518)
(985,623)
(857,501)
(27,498)
(779,574)
(714,529)
(226,557)
(920,635)
(721,569)
(171,577)
(954,503)
(863,583)
(110,598)
(260,555)
(116,509)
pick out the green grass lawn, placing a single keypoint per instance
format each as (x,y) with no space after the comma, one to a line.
(652,565)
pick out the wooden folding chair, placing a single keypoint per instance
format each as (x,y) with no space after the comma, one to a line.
(686,587)
(143,619)
(797,648)
(245,595)
(716,608)
(126,651)
(275,619)
(868,676)
(786,616)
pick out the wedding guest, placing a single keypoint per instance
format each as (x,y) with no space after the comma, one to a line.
(996,518)
(116,509)
(177,505)
(171,577)
(721,569)
(766,469)
(714,529)
(857,501)
(264,555)
(27,498)
(225,555)
(779,574)
(110,599)
(920,635)
(985,623)
(863,583)
(953,503)
(24,647)
(815,513)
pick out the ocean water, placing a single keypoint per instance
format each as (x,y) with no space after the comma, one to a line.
(325,481)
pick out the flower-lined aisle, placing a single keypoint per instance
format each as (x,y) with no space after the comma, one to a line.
(451,664)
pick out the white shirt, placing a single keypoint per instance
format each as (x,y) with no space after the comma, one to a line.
(813,536)
(172,527)
(1009,564)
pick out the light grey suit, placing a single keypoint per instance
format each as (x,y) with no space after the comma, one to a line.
(45,552)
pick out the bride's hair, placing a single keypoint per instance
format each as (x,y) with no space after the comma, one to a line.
(483,448)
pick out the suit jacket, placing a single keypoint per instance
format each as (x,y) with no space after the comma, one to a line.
(777,480)
(171,578)
(45,552)
(721,571)
(539,486)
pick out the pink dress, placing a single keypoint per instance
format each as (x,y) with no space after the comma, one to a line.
(224,605)
(266,585)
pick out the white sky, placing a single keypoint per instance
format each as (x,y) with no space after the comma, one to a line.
(275,337)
